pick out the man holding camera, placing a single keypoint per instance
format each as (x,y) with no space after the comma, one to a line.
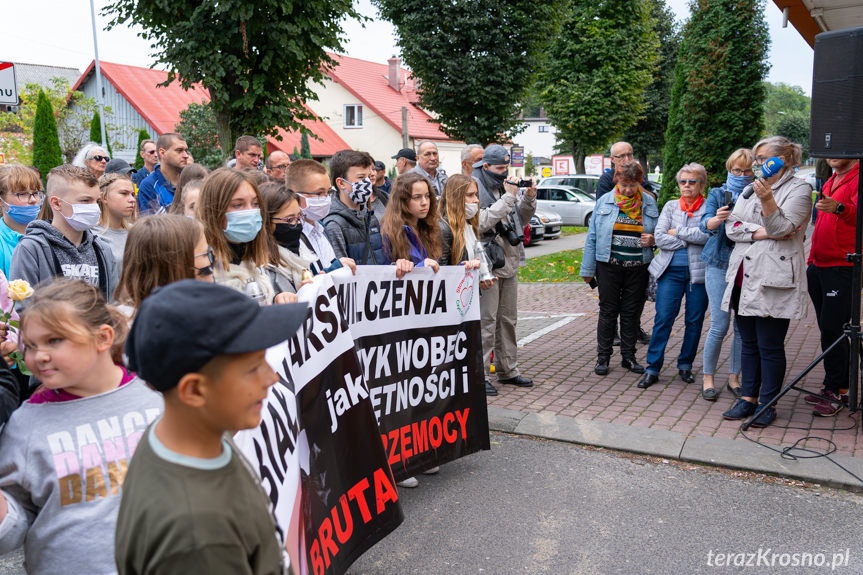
(500,222)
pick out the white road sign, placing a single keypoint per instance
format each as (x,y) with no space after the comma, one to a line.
(8,87)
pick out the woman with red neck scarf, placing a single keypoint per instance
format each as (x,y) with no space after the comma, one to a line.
(679,272)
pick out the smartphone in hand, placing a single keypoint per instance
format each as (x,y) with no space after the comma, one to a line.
(592,283)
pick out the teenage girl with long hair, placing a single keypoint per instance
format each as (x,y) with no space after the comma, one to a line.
(410,224)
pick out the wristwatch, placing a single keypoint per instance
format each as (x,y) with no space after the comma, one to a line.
(840,208)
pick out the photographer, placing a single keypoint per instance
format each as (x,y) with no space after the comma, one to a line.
(500,221)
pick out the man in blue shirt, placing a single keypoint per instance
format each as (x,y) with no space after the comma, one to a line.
(156,192)
(150,154)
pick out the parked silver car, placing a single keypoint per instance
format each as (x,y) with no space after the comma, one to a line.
(573,205)
(551,221)
(584,182)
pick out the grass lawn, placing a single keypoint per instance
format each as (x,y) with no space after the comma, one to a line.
(570,230)
(559,267)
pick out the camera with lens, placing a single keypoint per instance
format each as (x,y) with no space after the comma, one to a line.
(511,229)
(522,183)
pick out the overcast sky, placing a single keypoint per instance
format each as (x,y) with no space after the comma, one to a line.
(59,32)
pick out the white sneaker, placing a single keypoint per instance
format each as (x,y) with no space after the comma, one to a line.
(432,471)
(410,483)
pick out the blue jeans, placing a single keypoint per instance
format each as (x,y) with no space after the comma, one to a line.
(719,322)
(670,289)
(763,355)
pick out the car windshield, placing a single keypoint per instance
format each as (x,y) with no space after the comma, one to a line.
(583,196)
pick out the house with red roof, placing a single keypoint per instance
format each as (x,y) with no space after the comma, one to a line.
(363,103)
(138,101)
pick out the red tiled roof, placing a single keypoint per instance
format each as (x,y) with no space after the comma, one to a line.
(367,81)
(160,106)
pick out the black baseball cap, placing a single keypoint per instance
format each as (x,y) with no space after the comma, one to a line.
(406,153)
(118,166)
(379,165)
(184,325)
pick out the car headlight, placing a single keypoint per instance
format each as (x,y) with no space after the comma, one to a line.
(543,220)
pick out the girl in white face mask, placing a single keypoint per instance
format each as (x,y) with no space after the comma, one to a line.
(459,222)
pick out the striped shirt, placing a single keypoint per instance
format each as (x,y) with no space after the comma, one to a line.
(626,249)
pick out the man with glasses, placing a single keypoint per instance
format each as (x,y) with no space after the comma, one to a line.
(621,153)
(310,181)
(150,154)
(276,164)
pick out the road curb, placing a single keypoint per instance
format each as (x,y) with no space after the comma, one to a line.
(717,451)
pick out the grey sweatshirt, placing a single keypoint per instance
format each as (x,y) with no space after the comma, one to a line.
(34,258)
(62,466)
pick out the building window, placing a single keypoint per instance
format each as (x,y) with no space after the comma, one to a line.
(353,116)
(543,129)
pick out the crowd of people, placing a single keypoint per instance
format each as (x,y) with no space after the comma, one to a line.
(737,250)
(100,239)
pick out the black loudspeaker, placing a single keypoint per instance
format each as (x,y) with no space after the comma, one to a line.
(836,125)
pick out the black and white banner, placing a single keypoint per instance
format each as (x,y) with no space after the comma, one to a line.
(382,381)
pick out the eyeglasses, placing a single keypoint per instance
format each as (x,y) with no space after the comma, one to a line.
(290,220)
(690,182)
(27,196)
(742,171)
(313,194)
(622,156)
(281,167)
(100,158)
(206,270)
(760,160)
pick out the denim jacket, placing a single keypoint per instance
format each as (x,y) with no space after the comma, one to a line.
(597,246)
(717,249)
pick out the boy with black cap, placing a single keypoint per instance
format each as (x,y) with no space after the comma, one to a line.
(191,502)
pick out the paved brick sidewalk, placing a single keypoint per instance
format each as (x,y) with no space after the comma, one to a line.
(561,365)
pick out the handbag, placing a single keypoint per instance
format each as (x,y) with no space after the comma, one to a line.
(650,292)
(495,253)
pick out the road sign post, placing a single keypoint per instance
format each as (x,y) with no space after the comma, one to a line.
(8,86)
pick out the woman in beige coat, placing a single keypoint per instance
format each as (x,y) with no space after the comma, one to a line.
(767,275)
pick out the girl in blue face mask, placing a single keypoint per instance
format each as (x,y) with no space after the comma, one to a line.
(719,205)
(21,198)
(235,224)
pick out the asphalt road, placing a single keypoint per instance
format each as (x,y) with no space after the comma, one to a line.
(532,506)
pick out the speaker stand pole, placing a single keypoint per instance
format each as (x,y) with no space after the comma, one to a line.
(851,331)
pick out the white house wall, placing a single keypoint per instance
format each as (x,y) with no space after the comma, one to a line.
(535,142)
(376,136)
(122,115)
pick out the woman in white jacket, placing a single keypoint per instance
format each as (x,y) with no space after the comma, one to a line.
(767,275)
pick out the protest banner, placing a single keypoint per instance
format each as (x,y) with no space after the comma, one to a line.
(418,341)
(379,363)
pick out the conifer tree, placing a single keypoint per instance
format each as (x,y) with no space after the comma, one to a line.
(96,133)
(46,142)
(305,149)
(717,103)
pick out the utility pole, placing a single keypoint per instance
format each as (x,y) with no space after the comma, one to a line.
(404,125)
(98,77)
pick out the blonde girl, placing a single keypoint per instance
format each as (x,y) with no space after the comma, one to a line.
(64,452)
(119,207)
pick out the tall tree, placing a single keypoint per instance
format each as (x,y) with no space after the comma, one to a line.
(305,148)
(599,66)
(648,135)
(139,160)
(96,132)
(258,60)
(46,143)
(198,125)
(783,100)
(475,58)
(717,103)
